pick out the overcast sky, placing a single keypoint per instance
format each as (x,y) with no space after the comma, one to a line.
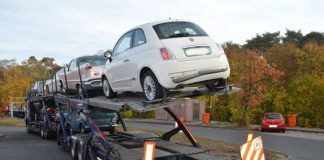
(64,29)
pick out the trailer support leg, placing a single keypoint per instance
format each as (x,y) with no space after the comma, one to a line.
(181,126)
(87,142)
(121,120)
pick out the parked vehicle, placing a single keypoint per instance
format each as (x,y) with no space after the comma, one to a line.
(273,122)
(91,68)
(77,125)
(50,83)
(167,54)
(39,86)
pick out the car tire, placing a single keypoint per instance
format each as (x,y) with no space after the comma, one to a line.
(221,84)
(283,131)
(152,89)
(108,92)
(262,130)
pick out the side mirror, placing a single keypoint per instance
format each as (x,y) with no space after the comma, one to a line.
(108,54)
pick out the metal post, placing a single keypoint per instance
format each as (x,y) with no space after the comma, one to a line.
(11,110)
(52,85)
(67,87)
(55,82)
(120,118)
(81,84)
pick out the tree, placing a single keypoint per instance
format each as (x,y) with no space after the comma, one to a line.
(254,75)
(262,42)
(285,56)
(292,36)
(316,37)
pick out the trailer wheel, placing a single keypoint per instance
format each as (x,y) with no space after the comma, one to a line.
(42,132)
(59,137)
(73,150)
(28,128)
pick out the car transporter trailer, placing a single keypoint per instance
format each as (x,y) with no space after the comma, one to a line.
(110,144)
(129,145)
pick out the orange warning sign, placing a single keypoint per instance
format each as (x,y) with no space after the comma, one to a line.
(253,150)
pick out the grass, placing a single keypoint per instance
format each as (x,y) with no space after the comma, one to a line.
(11,121)
(215,147)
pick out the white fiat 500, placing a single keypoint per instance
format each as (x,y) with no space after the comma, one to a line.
(167,54)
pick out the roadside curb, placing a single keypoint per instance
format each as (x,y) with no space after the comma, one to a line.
(208,126)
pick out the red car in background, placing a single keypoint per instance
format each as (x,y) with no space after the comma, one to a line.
(273,122)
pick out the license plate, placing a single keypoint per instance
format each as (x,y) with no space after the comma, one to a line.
(273,126)
(197,51)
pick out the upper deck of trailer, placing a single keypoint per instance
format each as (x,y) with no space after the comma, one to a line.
(137,102)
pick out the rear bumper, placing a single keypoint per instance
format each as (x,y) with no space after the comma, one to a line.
(94,84)
(268,127)
(199,73)
(171,74)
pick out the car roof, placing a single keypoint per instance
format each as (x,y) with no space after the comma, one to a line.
(272,113)
(159,22)
(84,57)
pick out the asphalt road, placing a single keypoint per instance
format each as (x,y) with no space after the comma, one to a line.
(306,146)
(17,144)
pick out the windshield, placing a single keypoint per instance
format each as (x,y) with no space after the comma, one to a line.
(273,116)
(39,85)
(94,61)
(178,29)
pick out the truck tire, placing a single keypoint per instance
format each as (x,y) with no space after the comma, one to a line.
(42,132)
(73,151)
(28,129)
(59,139)
(80,152)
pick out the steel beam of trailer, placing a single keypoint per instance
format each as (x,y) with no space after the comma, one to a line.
(139,104)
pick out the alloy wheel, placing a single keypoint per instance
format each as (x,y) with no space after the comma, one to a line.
(149,88)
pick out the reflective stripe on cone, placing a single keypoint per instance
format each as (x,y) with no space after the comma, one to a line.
(253,150)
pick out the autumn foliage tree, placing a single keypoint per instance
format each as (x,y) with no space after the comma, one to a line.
(16,79)
(253,74)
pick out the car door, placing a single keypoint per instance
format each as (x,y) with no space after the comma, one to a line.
(120,75)
(137,55)
(72,75)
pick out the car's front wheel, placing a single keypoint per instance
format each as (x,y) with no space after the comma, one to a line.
(109,93)
(151,87)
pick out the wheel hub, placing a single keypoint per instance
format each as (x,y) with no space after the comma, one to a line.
(106,88)
(149,88)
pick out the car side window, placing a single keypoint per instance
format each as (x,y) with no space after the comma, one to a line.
(139,37)
(123,44)
(72,65)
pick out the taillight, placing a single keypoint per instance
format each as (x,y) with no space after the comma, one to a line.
(165,54)
(89,66)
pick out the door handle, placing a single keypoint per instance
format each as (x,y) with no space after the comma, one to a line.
(126,60)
